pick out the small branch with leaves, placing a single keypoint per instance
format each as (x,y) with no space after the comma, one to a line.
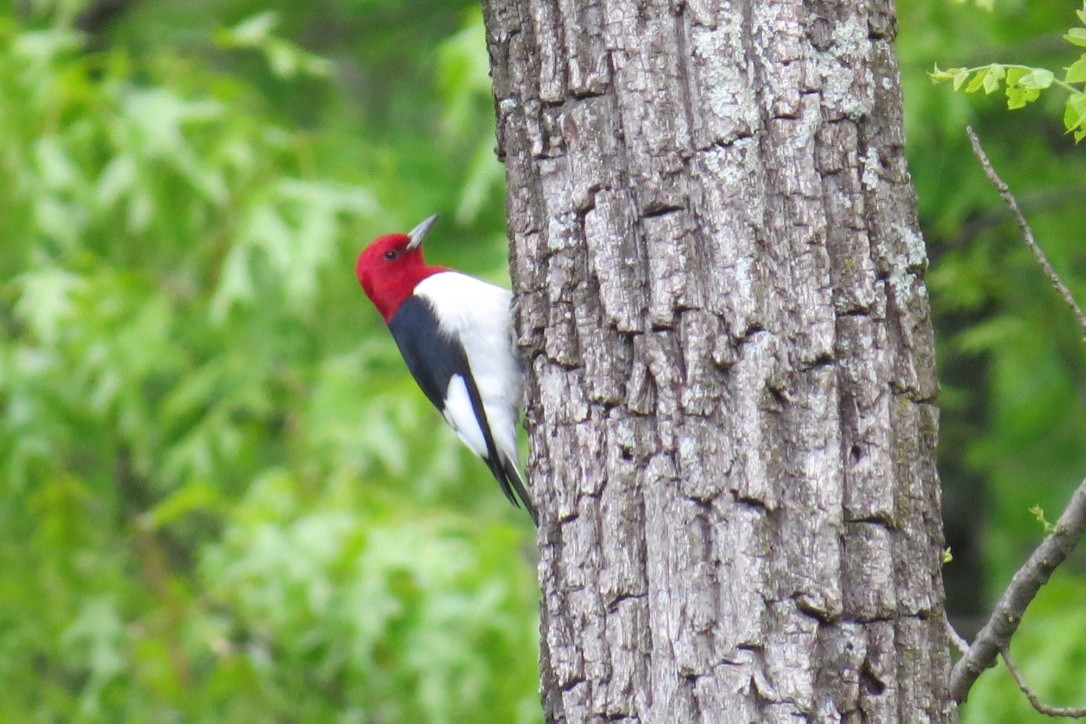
(994,637)
(1023,84)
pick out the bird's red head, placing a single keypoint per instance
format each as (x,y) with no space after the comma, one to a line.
(390,267)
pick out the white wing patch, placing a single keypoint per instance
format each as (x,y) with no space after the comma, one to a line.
(461,416)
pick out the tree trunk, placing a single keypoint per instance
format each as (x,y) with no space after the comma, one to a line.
(720,302)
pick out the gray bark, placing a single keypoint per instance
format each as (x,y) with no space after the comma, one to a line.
(720,298)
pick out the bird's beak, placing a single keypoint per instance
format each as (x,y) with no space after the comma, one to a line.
(419,231)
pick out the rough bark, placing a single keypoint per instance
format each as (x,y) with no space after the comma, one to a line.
(720,297)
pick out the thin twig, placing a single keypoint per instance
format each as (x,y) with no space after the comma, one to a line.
(955,637)
(1027,232)
(1007,614)
(1046,709)
(996,634)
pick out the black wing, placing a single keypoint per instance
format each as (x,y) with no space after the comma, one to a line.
(433,358)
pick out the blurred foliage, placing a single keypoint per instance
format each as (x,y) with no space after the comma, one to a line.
(224,500)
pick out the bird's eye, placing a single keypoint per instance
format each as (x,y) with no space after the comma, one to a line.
(391,254)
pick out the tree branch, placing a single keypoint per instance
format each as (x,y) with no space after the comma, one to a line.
(996,634)
(1008,610)
(1046,709)
(1027,232)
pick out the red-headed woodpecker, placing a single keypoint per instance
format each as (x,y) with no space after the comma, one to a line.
(455,333)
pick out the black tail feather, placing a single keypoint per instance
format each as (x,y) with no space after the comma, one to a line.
(514,478)
(512,484)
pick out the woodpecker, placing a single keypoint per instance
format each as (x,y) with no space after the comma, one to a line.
(455,334)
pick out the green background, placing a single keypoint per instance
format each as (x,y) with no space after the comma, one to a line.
(222,497)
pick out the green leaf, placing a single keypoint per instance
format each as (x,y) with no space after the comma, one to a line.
(939,76)
(1071,118)
(1076,72)
(1014,74)
(1074,115)
(1019,89)
(1076,36)
(1039,514)
(1039,78)
(1019,97)
(1078,102)
(960,78)
(976,83)
(992,76)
